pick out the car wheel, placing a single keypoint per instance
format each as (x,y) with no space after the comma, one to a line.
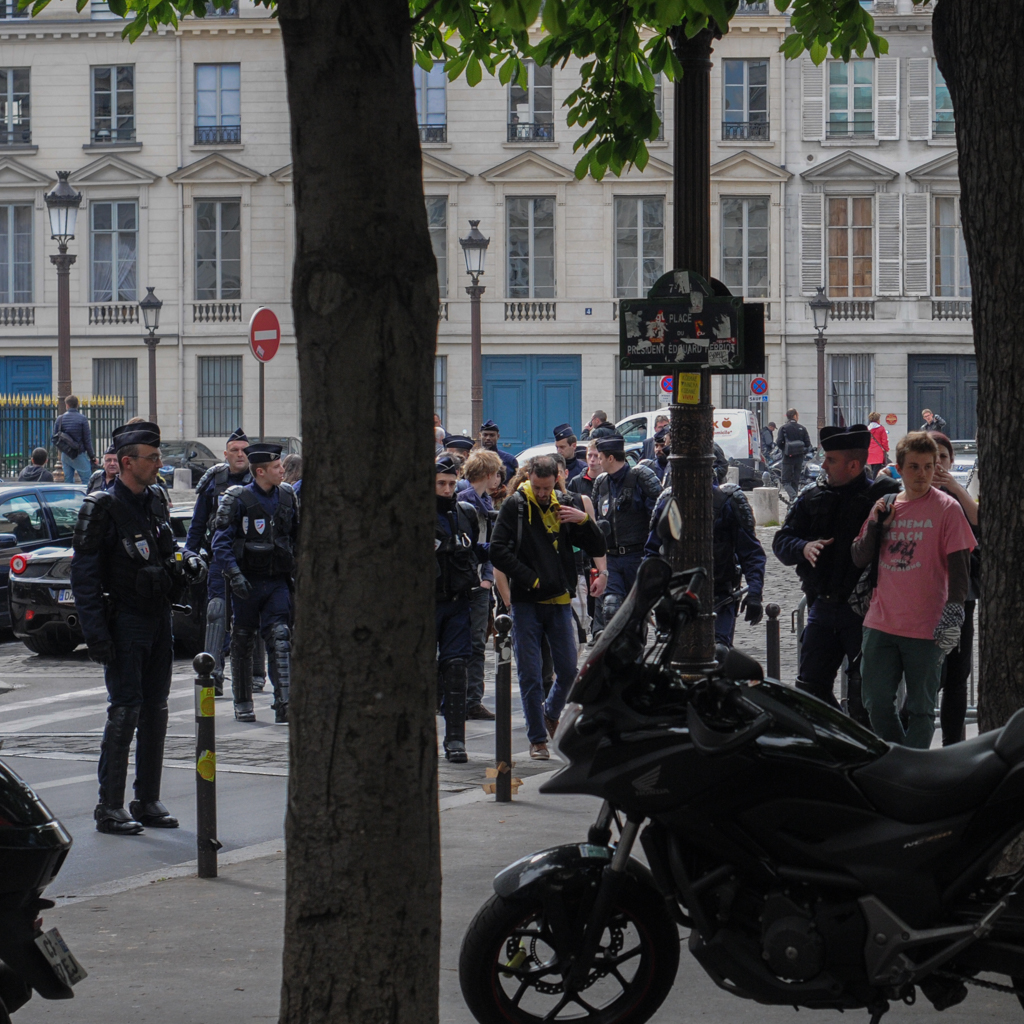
(52,644)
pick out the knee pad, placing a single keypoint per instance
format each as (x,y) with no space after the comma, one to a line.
(612,603)
(279,634)
(217,610)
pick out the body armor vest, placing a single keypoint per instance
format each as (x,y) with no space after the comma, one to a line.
(629,517)
(456,557)
(221,477)
(265,545)
(142,572)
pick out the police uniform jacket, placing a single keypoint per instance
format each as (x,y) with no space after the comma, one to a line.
(123,544)
(625,499)
(822,512)
(256,531)
(214,483)
(510,462)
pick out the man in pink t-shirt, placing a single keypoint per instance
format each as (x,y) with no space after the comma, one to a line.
(923,543)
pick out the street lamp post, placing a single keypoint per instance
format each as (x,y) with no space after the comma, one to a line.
(474,246)
(820,308)
(151,307)
(62,204)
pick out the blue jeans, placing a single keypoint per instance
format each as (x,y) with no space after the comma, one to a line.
(531,622)
(80,465)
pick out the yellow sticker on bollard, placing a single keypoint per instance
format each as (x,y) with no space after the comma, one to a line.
(207,765)
(206,701)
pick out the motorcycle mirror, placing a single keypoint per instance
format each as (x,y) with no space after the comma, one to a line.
(670,525)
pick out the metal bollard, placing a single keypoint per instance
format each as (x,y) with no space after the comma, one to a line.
(774,645)
(206,768)
(503,708)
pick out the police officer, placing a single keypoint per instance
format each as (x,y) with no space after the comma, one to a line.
(737,553)
(795,443)
(232,472)
(624,498)
(565,445)
(105,476)
(816,537)
(124,576)
(458,553)
(489,434)
(254,547)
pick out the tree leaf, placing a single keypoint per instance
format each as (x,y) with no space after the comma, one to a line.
(424,60)
(554,17)
(473,71)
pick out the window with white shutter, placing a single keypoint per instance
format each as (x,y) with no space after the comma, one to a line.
(915,243)
(919,98)
(887,99)
(952,276)
(812,229)
(851,109)
(943,125)
(850,249)
(888,242)
(812,98)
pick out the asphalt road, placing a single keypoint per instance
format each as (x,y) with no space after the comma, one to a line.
(52,713)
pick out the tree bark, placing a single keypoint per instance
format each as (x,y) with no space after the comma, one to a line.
(979,45)
(362,919)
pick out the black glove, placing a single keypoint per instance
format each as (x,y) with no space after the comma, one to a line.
(194,568)
(753,607)
(102,652)
(239,585)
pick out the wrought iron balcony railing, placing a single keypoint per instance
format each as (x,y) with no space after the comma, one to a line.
(850,129)
(759,131)
(433,133)
(17,135)
(101,136)
(218,135)
(540,131)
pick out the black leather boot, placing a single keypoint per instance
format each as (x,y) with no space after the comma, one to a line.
(279,661)
(242,641)
(455,681)
(149,763)
(110,815)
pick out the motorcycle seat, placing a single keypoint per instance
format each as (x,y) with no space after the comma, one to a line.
(918,786)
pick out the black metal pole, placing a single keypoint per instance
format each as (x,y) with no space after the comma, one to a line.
(692,425)
(151,343)
(63,261)
(206,768)
(476,395)
(774,641)
(819,344)
(262,369)
(503,708)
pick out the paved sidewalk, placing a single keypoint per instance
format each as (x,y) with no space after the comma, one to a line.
(185,951)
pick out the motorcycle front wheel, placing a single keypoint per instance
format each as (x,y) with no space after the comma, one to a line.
(511,972)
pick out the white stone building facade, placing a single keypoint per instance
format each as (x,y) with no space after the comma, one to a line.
(180,146)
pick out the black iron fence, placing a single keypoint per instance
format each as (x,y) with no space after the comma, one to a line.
(26,422)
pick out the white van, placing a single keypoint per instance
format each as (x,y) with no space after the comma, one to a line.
(736,433)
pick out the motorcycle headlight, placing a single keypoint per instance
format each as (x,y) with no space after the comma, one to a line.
(568,720)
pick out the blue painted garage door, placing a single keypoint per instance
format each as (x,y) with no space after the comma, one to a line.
(528,396)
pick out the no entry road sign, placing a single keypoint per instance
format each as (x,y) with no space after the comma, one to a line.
(264,334)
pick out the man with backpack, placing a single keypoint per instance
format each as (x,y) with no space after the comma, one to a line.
(72,437)
(532,544)
(794,442)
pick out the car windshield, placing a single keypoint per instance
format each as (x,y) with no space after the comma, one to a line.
(64,506)
(178,449)
(965,447)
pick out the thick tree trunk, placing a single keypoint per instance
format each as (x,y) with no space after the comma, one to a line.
(363,878)
(979,45)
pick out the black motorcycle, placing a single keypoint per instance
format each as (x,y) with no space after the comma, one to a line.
(812,864)
(33,846)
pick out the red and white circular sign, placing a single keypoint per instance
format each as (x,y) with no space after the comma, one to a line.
(264,334)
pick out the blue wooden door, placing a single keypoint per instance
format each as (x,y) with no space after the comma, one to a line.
(528,396)
(26,375)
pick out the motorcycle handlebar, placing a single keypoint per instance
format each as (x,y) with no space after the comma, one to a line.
(709,741)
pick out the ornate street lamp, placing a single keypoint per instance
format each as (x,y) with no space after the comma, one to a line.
(820,309)
(62,204)
(151,307)
(474,247)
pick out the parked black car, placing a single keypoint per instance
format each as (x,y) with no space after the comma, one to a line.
(34,517)
(41,606)
(192,455)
